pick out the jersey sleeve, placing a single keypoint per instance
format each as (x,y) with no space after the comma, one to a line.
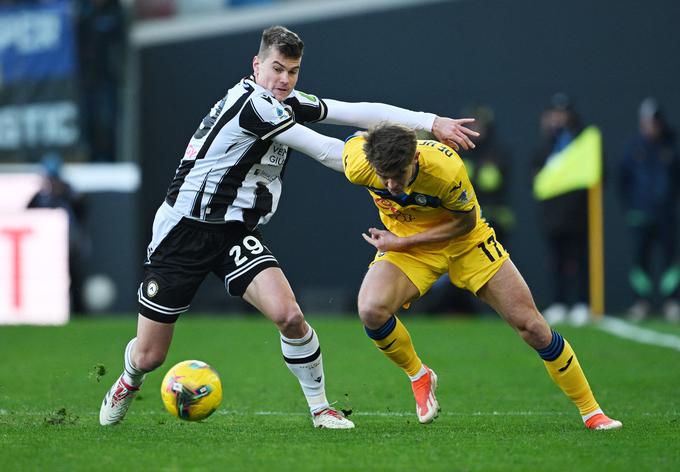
(357,169)
(458,195)
(307,108)
(265,117)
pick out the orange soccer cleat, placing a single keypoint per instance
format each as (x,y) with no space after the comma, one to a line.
(601,422)
(427,406)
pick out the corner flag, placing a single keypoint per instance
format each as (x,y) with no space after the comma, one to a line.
(577,166)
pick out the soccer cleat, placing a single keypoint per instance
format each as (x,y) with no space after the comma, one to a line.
(331,419)
(116,402)
(427,406)
(601,422)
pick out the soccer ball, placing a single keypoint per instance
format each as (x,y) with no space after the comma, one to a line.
(191,390)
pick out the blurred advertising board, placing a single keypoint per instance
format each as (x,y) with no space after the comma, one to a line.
(34,278)
(38,97)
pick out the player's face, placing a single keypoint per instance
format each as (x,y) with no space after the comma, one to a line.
(276,72)
(397,182)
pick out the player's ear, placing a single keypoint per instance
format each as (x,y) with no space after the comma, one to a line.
(256,65)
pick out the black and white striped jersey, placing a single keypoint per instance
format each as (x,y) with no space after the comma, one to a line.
(232,167)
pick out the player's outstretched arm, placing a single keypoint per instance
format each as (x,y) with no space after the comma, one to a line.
(324,149)
(459,225)
(449,131)
(454,133)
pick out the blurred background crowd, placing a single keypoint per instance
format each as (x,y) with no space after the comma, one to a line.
(96,95)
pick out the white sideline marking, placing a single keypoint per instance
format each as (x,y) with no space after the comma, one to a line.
(660,414)
(300,413)
(626,330)
(410,413)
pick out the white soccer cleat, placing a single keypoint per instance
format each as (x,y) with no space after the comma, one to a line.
(116,402)
(331,419)
(427,406)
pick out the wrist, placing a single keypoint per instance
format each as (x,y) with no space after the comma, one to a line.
(407,242)
(435,124)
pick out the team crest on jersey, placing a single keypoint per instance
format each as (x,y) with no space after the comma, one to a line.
(152,288)
(421,199)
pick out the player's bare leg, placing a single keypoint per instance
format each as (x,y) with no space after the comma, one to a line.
(384,290)
(508,294)
(143,354)
(272,295)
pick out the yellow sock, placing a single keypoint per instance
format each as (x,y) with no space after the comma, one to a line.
(563,366)
(393,340)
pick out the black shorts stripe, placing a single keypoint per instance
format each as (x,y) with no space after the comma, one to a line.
(246,268)
(155,316)
(238,284)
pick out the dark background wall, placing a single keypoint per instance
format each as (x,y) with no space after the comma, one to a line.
(512,55)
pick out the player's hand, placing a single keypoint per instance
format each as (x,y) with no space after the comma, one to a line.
(383,240)
(453,132)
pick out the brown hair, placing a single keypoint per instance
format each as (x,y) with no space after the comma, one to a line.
(283,40)
(390,148)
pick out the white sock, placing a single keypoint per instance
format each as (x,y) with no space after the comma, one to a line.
(304,360)
(132,375)
(419,374)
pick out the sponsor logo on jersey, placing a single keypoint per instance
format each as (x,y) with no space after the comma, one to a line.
(421,199)
(277,154)
(463,198)
(384,203)
(264,175)
(191,152)
(402,217)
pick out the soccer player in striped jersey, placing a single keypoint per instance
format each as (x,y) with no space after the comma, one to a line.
(434,226)
(227,184)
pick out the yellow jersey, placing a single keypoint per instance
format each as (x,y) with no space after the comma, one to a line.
(439,186)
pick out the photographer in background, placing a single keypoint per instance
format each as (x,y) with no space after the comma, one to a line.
(564,219)
(56,193)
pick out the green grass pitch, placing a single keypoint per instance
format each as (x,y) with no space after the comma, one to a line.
(500,410)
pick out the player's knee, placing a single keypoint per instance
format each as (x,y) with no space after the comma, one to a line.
(373,314)
(534,330)
(149,359)
(289,319)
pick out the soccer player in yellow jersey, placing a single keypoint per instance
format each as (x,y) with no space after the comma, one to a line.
(434,226)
